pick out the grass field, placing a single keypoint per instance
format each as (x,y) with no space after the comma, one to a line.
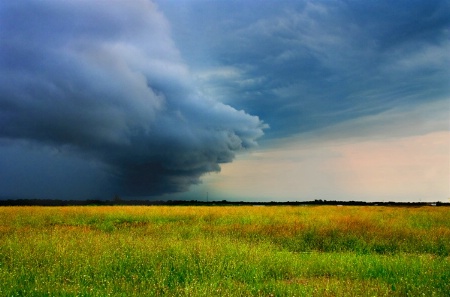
(224,251)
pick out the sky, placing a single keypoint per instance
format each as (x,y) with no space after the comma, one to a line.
(239,100)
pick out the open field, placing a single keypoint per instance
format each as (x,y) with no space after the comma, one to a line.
(224,251)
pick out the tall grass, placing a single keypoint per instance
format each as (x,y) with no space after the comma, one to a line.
(224,251)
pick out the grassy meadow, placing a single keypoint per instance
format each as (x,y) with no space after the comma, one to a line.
(224,251)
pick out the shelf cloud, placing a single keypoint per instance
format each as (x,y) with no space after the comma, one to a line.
(105,81)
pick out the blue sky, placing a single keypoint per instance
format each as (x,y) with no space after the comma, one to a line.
(244,100)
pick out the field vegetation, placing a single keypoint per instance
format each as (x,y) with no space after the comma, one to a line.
(224,251)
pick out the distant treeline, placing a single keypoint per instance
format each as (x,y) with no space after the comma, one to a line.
(117,201)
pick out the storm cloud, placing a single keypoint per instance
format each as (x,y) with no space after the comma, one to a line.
(104,81)
(146,97)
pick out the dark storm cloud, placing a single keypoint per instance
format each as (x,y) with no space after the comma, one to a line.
(104,80)
(303,65)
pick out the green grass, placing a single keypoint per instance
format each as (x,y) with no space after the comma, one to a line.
(224,251)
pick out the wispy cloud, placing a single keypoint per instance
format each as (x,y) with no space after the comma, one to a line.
(305,65)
